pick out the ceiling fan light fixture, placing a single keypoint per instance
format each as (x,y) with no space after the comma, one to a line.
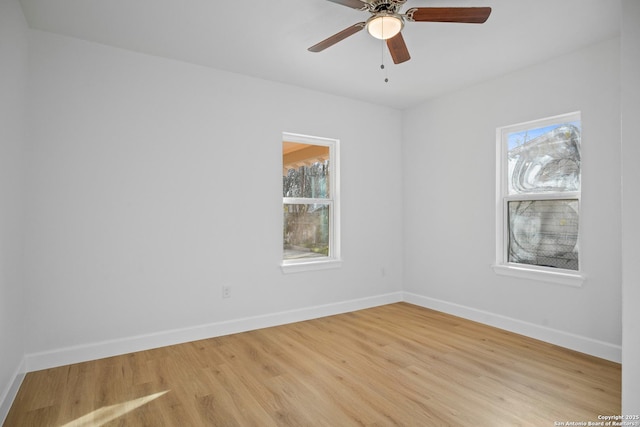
(384,26)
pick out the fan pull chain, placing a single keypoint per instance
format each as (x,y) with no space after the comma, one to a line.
(386,78)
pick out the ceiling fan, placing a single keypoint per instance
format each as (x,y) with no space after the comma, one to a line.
(386,22)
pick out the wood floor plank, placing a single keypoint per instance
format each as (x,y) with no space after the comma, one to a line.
(397,364)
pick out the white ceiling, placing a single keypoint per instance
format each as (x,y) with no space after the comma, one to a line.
(268,39)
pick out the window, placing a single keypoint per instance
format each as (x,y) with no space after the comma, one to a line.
(538,200)
(310,202)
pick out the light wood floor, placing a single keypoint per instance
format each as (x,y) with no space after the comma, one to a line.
(392,365)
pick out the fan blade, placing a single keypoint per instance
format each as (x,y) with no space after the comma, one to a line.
(355,4)
(337,37)
(470,15)
(398,49)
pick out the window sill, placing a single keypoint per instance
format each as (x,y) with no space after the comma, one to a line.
(297,267)
(562,277)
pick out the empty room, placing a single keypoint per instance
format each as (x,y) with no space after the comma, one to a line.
(319,212)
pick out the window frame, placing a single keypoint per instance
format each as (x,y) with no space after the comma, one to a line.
(502,264)
(333,260)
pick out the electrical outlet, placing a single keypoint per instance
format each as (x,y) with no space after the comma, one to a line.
(226,291)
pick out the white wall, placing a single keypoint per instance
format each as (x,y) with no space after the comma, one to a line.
(630,207)
(153,182)
(13,65)
(449,200)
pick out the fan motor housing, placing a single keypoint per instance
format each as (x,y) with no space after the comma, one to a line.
(388,6)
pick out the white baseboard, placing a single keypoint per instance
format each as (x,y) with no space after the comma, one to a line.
(99,350)
(579,343)
(8,395)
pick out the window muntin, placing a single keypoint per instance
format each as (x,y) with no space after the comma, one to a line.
(539,189)
(310,205)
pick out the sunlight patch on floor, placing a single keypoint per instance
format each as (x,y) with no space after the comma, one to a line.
(108,413)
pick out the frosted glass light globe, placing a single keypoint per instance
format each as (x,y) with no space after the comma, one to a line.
(384,26)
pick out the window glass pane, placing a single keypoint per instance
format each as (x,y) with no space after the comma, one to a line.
(545,159)
(544,233)
(306,231)
(305,170)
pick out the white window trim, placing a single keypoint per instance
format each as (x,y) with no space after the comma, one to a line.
(502,266)
(333,260)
